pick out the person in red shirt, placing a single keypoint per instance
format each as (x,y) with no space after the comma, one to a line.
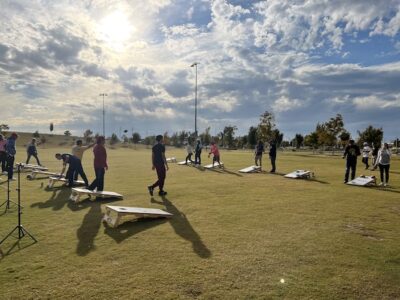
(100,164)
(215,152)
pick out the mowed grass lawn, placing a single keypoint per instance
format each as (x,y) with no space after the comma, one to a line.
(232,236)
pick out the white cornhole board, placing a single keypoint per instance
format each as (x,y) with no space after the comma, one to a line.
(183,163)
(53,180)
(32,167)
(300,174)
(116,215)
(78,192)
(36,172)
(363,181)
(216,165)
(251,169)
(171,159)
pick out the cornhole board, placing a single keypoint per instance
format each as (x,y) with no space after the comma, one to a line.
(32,167)
(78,192)
(54,179)
(363,181)
(171,159)
(251,169)
(116,215)
(40,172)
(183,163)
(300,174)
(210,166)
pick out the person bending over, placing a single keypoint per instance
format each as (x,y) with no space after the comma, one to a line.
(75,165)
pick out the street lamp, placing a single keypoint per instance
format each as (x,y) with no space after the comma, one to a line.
(104,124)
(195,100)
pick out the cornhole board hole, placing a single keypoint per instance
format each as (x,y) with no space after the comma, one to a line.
(40,172)
(216,165)
(363,181)
(183,163)
(116,215)
(53,180)
(300,174)
(251,169)
(171,160)
(32,167)
(78,192)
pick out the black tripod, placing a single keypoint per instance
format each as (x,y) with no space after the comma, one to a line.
(8,201)
(21,230)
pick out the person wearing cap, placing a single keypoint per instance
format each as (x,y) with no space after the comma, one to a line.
(3,154)
(75,165)
(197,152)
(100,164)
(351,152)
(365,154)
(11,151)
(383,161)
(32,151)
(159,163)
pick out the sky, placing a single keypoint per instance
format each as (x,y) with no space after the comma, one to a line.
(303,60)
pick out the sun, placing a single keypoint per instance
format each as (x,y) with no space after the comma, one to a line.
(116,30)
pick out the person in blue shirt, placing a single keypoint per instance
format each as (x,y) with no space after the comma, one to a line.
(11,152)
(32,151)
(197,152)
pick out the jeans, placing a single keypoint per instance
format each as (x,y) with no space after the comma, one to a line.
(273,160)
(35,156)
(10,166)
(3,160)
(189,157)
(365,162)
(76,167)
(384,169)
(161,174)
(350,165)
(98,182)
(197,158)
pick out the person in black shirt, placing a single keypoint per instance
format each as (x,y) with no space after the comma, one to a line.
(351,152)
(197,152)
(258,153)
(75,165)
(272,156)
(32,151)
(159,163)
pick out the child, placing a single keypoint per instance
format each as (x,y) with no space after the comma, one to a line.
(365,154)
(258,153)
(383,161)
(32,151)
(100,164)
(215,152)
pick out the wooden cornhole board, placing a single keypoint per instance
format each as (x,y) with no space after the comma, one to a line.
(210,166)
(300,174)
(54,179)
(251,169)
(171,159)
(40,172)
(116,215)
(78,192)
(183,163)
(363,181)
(32,167)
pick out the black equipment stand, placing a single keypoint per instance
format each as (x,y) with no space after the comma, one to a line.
(19,228)
(8,201)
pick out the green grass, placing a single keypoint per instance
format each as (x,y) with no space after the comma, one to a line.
(232,236)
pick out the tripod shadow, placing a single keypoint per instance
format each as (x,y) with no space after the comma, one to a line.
(12,249)
(184,229)
(57,200)
(224,171)
(91,223)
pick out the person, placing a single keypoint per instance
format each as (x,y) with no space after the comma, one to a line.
(215,152)
(159,163)
(78,151)
(351,152)
(75,165)
(375,151)
(11,151)
(259,150)
(272,156)
(3,154)
(32,151)
(197,152)
(383,161)
(100,164)
(189,151)
(365,154)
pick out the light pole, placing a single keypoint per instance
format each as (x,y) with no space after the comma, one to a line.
(195,100)
(104,113)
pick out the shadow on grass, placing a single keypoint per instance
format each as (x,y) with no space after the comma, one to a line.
(20,244)
(91,223)
(319,181)
(57,200)
(224,171)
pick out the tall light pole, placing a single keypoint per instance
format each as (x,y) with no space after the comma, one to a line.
(104,113)
(195,100)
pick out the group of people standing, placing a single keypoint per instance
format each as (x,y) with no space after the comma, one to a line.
(258,153)
(380,158)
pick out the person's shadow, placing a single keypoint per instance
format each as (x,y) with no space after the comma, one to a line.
(57,200)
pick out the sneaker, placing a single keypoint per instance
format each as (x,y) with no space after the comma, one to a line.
(12,179)
(385,184)
(151,189)
(345,181)
(162,193)
(381,184)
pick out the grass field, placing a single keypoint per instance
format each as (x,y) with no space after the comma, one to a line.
(233,236)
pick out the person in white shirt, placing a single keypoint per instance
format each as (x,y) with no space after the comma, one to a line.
(383,161)
(78,151)
(189,151)
(365,154)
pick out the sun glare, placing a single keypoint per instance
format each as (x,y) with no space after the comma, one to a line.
(116,29)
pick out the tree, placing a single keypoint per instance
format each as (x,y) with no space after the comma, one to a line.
(252,136)
(88,136)
(344,137)
(51,127)
(166,138)
(229,133)
(371,135)
(265,127)
(36,134)
(67,133)
(242,141)
(206,136)
(136,137)
(4,127)
(298,140)
(150,140)
(277,136)
(311,140)
(114,139)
